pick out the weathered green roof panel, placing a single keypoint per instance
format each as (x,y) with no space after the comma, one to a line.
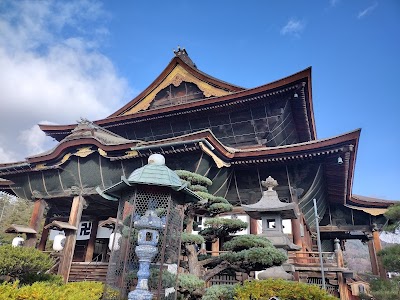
(154,174)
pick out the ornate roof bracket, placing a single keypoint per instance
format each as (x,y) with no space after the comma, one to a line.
(219,162)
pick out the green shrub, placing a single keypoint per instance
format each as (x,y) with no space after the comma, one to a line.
(190,287)
(385,289)
(189,238)
(189,282)
(391,258)
(256,258)
(193,177)
(219,292)
(23,263)
(288,290)
(86,290)
(242,242)
(198,188)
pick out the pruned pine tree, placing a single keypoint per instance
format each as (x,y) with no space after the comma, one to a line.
(242,253)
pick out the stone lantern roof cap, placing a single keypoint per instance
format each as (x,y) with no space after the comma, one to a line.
(155,173)
(270,203)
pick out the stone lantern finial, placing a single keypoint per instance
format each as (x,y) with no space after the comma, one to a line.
(269,183)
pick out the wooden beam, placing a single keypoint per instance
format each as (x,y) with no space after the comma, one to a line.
(36,219)
(373,257)
(378,247)
(70,241)
(253,226)
(345,228)
(92,241)
(343,291)
(44,236)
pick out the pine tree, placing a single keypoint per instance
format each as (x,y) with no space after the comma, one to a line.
(243,253)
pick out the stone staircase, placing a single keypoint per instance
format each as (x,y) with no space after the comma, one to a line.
(88,271)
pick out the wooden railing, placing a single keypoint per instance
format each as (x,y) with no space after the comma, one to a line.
(312,258)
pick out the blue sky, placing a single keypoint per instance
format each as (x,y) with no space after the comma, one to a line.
(65,60)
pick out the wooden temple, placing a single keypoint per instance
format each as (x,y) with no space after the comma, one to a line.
(235,136)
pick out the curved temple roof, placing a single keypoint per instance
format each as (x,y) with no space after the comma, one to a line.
(217,94)
(328,150)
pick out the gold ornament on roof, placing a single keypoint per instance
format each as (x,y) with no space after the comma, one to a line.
(176,77)
(83,152)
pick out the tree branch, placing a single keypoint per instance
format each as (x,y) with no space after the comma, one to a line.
(208,260)
(214,271)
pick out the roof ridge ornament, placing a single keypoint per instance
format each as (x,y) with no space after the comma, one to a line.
(84,121)
(182,54)
(180,51)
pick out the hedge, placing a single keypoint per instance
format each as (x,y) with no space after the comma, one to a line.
(86,290)
(288,290)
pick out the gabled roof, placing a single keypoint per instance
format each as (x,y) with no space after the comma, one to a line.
(20,229)
(181,68)
(304,113)
(225,95)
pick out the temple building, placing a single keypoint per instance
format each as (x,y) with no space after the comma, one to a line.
(235,136)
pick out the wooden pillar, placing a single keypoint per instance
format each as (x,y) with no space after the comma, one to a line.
(45,235)
(343,290)
(253,226)
(215,248)
(36,218)
(373,257)
(127,210)
(92,241)
(297,240)
(378,247)
(70,241)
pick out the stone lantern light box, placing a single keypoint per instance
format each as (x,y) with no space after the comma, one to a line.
(150,220)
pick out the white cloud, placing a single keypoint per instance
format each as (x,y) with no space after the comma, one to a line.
(367,11)
(333,3)
(52,69)
(35,140)
(6,156)
(293,27)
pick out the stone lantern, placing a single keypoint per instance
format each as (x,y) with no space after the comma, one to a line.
(150,220)
(271,211)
